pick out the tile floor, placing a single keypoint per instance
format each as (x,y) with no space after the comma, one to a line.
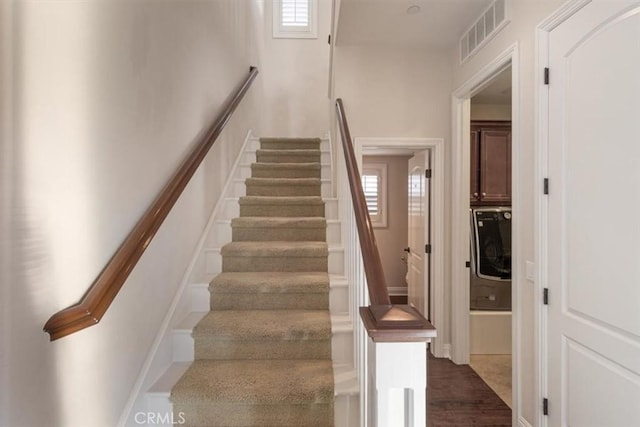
(495,370)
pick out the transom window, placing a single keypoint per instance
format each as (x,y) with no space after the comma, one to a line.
(295,18)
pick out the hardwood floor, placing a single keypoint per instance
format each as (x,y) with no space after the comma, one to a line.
(457,396)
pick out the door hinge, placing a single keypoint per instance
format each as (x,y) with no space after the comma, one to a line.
(545,296)
(545,406)
(545,186)
(329,39)
(546,76)
(427,248)
(467,264)
(427,173)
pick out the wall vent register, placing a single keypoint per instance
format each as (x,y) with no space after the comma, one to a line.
(490,22)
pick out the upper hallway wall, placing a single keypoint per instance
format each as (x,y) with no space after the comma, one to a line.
(525,15)
(397,92)
(295,73)
(390,91)
(107,99)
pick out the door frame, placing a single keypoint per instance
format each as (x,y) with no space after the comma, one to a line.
(436,274)
(460,158)
(541,169)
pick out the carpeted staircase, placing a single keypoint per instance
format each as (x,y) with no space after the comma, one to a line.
(263,352)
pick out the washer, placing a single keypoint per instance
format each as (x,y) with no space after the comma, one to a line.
(490,258)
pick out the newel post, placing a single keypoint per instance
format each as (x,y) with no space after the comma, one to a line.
(397,365)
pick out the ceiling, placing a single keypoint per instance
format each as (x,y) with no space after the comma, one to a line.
(498,91)
(438,24)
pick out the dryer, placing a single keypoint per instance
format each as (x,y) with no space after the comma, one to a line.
(490,280)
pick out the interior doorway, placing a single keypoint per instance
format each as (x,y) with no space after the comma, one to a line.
(490,303)
(461,214)
(373,154)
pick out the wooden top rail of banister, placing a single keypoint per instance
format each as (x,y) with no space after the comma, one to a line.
(385,322)
(104,289)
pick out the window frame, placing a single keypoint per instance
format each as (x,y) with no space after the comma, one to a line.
(295,32)
(379,169)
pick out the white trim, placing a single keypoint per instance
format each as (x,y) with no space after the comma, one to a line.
(164,332)
(437,147)
(523,423)
(541,127)
(290,32)
(446,351)
(397,290)
(461,118)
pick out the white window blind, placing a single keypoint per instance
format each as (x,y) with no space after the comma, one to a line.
(295,19)
(295,13)
(370,185)
(374,184)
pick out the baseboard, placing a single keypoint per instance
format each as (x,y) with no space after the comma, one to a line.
(156,362)
(397,290)
(523,423)
(446,351)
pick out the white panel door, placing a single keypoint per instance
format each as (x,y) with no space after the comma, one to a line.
(417,261)
(593,235)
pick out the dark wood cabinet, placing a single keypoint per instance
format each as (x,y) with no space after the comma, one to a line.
(490,163)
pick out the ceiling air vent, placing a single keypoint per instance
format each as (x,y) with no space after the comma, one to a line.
(490,22)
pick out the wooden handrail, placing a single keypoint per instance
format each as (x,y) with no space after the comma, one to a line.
(104,289)
(384,321)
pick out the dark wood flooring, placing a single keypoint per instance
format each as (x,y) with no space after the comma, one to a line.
(457,396)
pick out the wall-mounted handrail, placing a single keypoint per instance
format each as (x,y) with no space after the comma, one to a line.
(384,321)
(104,289)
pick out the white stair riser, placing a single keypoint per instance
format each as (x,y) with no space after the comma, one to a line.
(333,233)
(200,297)
(230,209)
(183,347)
(347,410)
(239,188)
(330,208)
(245,172)
(212,261)
(254,144)
(157,406)
(342,347)
(220,234)
(248,157)
(336,260)
(325,171)
(339,300)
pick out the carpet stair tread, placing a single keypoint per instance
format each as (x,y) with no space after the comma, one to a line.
(256,382)
(276,249)
(270,282)
(286,325)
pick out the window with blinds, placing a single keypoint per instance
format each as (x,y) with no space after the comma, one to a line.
(295,13)
(295,18)
(370,185)
(374,184)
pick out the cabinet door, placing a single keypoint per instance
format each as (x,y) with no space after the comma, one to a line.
(474,189)
(495,165)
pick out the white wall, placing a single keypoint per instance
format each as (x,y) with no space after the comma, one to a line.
(392,239)
(396,92)
(5,199)
(525,15)
(296,77)
(108,97)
